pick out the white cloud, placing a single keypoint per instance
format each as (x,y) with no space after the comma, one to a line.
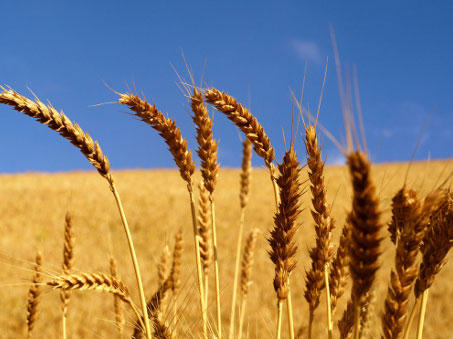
(307,50)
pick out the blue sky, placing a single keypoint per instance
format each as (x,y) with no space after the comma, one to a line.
(255,50)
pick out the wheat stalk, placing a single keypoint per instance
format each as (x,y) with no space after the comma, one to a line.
(364,247)
(60,123)
(68,258)
(117,305)
(321,254)
(246,273)
(33,296)
(182,156)
(243,198)
(281,240)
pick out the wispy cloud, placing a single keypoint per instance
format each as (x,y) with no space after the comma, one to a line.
(307,50)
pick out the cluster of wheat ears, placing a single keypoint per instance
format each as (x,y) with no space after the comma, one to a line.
(418,228)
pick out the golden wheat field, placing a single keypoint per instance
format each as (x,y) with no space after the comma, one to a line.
(33,208)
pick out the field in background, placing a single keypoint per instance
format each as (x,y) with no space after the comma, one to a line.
(32,209)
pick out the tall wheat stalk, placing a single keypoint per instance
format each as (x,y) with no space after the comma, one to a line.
(68,258)
(60,123)
(281,240)
(207,151)
(177,146)
(243,198)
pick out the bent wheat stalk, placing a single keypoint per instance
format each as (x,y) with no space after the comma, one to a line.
(60,123)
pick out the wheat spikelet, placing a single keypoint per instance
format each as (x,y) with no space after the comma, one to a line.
(207,150)
(33,296)
(175,271)
(339,268)
(436,244)
(167,130)
(366,314)
(243,119)
(161,330)
(92,281)
(68,258)
(117,305)
(364,247)
(346,323)
(283,248)
(321,254)
(60,123)
(247,262)
(204,228)
(245,173)
(162,265)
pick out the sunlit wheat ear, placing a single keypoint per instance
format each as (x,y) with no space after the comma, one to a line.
(281,239)
(364,247)
(167,130)
(117,304)
(243,119)
(59,122)
(322,253)
(33,296)
(204,228)
(207,146)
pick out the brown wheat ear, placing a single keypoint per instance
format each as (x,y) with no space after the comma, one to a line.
(204,229)
(117,305)
(322,253)
(68,258)
(207,146)
(33,296)
(283,248)
(346,323)
(364,247)
(60,123)
(243,119)
(246,172)
(167,130)
(247,262)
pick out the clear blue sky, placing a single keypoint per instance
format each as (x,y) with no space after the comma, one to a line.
(255,50)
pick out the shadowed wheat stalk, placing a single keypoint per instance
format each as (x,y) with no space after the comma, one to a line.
(243,198)
(33,295)
(207,151)
(246,273)
(60,123)
(364,247)
(317,277)
(281,240)
(68,258)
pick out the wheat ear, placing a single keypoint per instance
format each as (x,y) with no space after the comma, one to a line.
(33,296)
(364,247)
(175,273)
(250,126)
(435,247)
(246,274)
(117,305)
(281,240)
(68,258)
(321,254)
(177,146)
(60,123)
(243,198)
(346,323)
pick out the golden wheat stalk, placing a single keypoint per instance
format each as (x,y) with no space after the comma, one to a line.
(246,274)
(68,258)
(281,240)
(117,305)
(243,198)
(317,277)
(33,296)
(364,249)
(182,156)
(60,123)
